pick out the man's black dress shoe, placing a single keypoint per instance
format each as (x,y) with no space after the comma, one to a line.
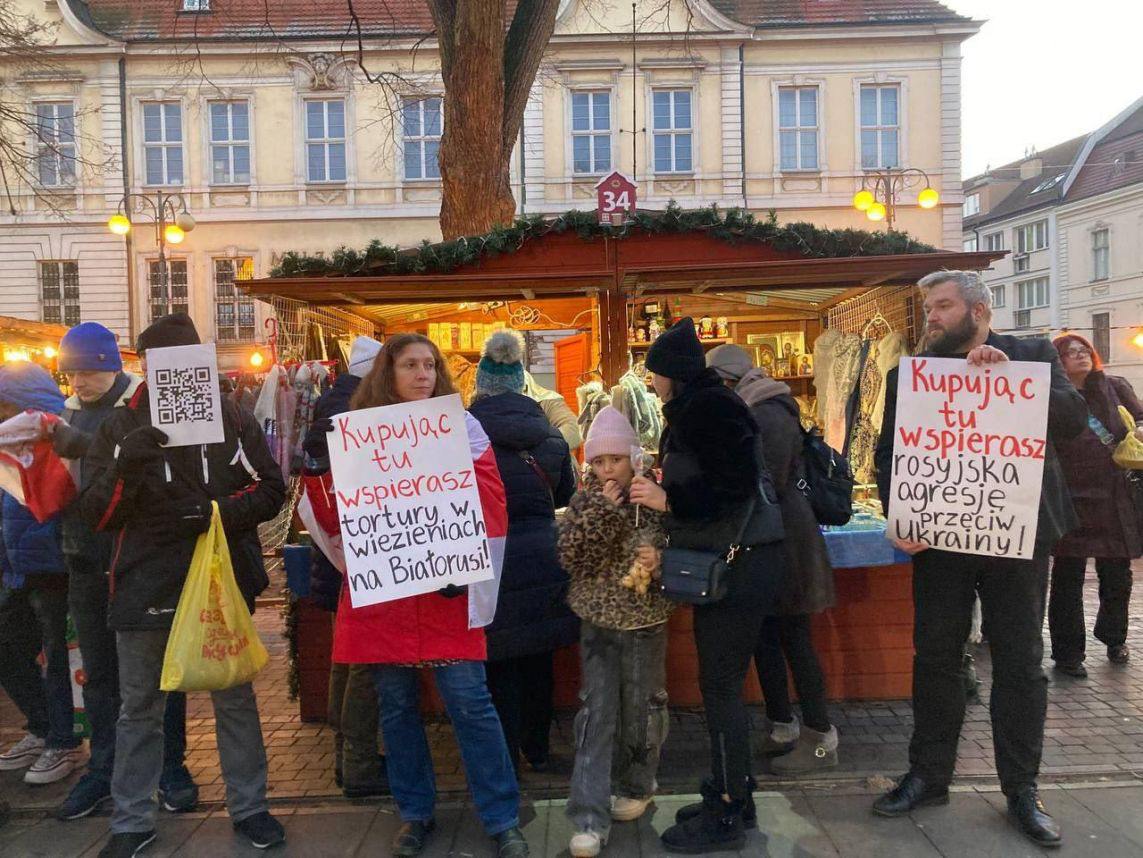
(911,792)
(1028,814)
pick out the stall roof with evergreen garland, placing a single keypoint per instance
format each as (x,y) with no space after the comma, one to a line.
(734,226)
(670,252)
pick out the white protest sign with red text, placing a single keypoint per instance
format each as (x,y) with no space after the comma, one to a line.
(968,455)
(407,500)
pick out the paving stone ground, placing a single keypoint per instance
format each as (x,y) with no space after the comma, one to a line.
(1093,735)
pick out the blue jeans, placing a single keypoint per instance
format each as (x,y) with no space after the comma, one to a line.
(482,747)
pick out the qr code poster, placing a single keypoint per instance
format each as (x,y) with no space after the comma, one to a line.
(186,401)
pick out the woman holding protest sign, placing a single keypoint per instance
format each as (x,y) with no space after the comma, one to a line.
(712,494)
(433,630)
(532,617)
(1109,521)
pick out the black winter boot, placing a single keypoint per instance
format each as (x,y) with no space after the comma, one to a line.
(717,828)
(709,791)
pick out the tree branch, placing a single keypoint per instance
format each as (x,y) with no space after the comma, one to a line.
(528,37)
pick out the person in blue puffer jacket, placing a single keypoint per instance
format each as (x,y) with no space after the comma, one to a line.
(33,608)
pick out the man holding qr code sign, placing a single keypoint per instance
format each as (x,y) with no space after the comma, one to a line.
(154,488)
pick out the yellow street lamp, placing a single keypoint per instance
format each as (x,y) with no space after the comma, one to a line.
(1137,340)
(928,198)
(876,211)
(862,200)
(119,224)
(174,234)
(256,359)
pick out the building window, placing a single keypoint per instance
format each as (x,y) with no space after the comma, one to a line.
(230,142)
(798,127)
(233,313)
(1033,236)
(325,141)
(55,143)
(196,5)
(1023,318)
(59,292)
(673,131)
(163,142)
(1020,263)
(1101,335)
(1100,254)
(970,244)
(422,125)
(994,241)
(1031,294)
(999,299)
(880,126)
(591,132)
(176,298)
(971,205)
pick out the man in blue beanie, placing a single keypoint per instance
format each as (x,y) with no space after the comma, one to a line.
(33,608)
(89,357)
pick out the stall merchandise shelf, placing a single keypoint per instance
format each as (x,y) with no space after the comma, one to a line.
(717,341)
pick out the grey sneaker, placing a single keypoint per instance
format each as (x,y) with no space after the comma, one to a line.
(22,754)
(54,764)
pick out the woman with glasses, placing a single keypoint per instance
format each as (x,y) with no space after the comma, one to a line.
(1109,522)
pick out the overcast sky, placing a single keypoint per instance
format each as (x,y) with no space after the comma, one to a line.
(1043,71)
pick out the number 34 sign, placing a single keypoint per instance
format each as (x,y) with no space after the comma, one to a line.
(615,198)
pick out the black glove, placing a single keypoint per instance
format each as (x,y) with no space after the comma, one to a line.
(69,442)
(190,518)
(452,591)
(315,444)
(139,448)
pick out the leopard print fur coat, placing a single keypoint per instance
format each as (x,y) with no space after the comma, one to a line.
(597,547)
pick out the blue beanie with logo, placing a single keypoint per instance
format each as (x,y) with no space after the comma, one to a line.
(89,347)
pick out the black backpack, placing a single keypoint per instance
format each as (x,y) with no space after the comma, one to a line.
(827,480)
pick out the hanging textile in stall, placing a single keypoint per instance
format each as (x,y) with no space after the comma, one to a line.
(631,399)
(823,351)
(591,399)
(844,370)
(275,413)
(310,379)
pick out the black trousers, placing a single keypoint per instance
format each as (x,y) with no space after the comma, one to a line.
(521,690)
(1012,596)
(726,636)
(1065,606)
(787,639)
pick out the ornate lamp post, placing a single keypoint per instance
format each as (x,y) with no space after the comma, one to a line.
(172,223)
(880,189)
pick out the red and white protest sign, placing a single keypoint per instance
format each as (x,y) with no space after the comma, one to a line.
(968,455)
(408,503)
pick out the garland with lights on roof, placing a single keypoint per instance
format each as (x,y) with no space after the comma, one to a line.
(731,225)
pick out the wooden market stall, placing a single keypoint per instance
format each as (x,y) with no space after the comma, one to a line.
(753,286)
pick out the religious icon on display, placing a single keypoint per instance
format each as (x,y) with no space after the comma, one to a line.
(807,367)
(706,328)
(722,327)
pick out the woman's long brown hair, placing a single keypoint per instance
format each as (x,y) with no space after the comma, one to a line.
(1064,341)
(379,387)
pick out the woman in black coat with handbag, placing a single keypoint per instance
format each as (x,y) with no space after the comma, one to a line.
(711,485)
(1109,518)
(532,618)
(808,587)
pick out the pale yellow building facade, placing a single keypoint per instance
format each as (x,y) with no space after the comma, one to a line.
(281,143)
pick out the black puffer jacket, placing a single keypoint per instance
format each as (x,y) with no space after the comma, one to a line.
(150,562)
(710,471)
(531,615)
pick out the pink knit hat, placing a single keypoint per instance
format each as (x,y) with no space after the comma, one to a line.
(610,434)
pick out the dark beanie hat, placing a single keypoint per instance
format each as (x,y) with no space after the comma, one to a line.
(89,347)
(677,353)
(177,329)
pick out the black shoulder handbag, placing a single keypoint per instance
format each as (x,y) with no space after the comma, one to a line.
(698,576)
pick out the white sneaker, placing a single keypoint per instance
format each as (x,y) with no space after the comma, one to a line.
(585,844)
(22,754)
(625,809)
(54,764)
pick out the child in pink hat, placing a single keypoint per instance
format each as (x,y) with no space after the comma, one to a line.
(611,550)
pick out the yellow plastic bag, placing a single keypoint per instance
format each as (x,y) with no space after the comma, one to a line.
(1129,453)
(213,643)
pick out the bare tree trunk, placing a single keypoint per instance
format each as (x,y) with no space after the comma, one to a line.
(487,76)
